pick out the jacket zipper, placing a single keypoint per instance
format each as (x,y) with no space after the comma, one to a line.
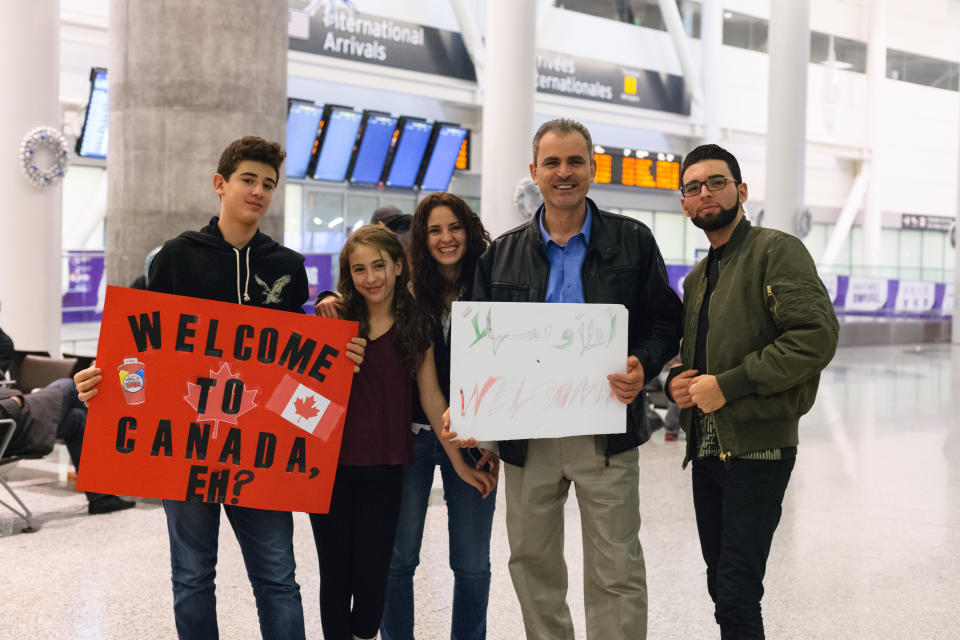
(770,295)
(725,457)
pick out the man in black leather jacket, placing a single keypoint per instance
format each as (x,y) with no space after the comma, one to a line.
(574,252)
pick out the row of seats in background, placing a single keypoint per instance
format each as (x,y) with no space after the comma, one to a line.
(31,370)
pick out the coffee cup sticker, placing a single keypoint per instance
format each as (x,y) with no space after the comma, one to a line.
(132,380)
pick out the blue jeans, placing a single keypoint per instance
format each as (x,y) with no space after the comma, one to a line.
(469,524)
(266,542)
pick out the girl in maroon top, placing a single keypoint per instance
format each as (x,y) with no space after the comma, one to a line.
(355,539)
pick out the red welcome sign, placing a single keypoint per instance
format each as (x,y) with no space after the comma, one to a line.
(214,402)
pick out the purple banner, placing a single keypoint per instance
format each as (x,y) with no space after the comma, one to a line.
(319,268)
(864,296)
(676,273)
(83,299)
(868,296)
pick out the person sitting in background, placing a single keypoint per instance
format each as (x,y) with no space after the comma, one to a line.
(397,221)
(49,413)
(6,352)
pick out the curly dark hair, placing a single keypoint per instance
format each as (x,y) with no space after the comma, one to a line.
(413,334)
(250,148)
(429,286)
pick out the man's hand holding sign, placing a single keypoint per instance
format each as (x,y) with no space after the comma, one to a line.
(215,403)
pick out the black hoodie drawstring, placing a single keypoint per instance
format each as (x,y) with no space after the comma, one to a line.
(246,285)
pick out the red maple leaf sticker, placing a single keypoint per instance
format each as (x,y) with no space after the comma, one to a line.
(220,398)
(305,407)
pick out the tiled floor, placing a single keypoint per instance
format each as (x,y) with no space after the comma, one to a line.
(869,545)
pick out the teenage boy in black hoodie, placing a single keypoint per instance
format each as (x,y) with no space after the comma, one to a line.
(231,260)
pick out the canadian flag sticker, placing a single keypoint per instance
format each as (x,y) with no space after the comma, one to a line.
(303,407)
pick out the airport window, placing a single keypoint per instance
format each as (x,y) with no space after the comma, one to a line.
(932,247)
(745,32)
(911,253)
(816,240)
(850,55)
(739,30)
(646,217)
(890,253)
(473,203)
(931,72)
(642,13)
(322,230)
(669,230)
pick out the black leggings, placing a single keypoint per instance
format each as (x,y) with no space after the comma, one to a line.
(354,545)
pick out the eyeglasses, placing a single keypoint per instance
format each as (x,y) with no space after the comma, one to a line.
(714,183)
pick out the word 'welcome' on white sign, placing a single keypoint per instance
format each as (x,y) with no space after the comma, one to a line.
(535,370)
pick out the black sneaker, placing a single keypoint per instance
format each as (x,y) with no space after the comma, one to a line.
(108,504)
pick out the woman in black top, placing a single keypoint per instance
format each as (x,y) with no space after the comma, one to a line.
(446,241)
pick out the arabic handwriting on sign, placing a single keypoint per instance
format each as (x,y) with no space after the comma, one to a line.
(587,334)
(488,333)
(590,335)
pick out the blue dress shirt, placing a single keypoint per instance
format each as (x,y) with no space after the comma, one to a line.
(566,261)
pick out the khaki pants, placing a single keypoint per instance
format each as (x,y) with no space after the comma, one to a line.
(614,576)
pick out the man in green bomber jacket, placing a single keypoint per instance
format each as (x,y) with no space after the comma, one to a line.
(758,328)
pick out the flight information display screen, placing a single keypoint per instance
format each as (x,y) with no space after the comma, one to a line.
(447,141)
(303,120)
(337,137)
(92,142)
(377,134)
(637,168)
(463,159)
(414,134)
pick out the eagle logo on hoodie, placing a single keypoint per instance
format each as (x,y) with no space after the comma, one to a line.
(272,294)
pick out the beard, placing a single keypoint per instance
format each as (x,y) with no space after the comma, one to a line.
(719,220)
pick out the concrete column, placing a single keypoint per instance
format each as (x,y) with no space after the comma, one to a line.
(186,79)
(876,77)
(711,39)
(30,261)
(787,112)
(508,100)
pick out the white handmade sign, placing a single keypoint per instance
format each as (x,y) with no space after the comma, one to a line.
(535,370)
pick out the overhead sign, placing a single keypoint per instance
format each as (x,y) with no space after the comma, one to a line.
(213,402)
(362,37)
(535,370)
(351,35)
(923,221)
(566,75)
